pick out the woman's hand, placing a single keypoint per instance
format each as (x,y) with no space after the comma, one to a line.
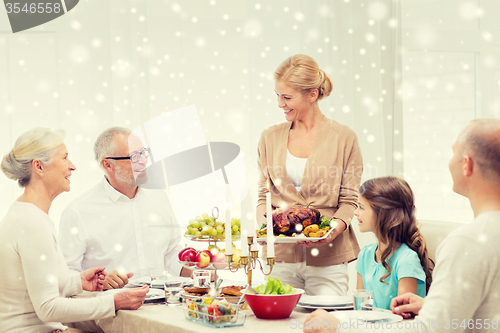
(341,226)
(261,241)
(130,299)
(93,279)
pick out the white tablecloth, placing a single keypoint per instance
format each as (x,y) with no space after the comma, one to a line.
(153,318)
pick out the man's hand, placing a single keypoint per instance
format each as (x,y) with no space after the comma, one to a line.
(185,272)
(320,321)
(93,279)
(189,273)
(130,299)
(407,305)
(115,280)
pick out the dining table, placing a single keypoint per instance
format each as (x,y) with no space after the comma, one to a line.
(160,317)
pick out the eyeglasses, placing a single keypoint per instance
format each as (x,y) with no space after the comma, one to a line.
(135,157)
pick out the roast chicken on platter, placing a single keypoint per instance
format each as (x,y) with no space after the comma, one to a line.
(294,220)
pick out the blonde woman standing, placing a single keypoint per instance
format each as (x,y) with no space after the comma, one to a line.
(35,281)
(311,160)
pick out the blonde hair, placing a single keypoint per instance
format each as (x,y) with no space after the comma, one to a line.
(38,143)
(303,73)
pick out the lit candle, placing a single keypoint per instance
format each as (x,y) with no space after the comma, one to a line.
(244,243)
(269,214)
(228,227)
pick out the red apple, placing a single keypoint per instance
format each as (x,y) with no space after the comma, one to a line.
(202,259)
(219,260)
(209,253)
(184,250)
(189,256)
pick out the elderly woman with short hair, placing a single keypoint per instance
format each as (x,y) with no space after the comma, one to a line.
(35,282)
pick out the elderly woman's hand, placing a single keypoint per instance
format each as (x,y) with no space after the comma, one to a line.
(130,299)
(320,321)
(93,279)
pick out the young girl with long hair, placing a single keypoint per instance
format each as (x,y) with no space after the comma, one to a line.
(398,262)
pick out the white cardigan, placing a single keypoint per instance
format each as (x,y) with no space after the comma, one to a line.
(34,281)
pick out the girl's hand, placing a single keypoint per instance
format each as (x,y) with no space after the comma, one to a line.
(93,279)
(337,231)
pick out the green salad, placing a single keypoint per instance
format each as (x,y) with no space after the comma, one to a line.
(274,287)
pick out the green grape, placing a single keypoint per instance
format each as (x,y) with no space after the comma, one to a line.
(236,233)
(233,222)
(198,233)
(196,224)
(191,222)
(197,218)
(214,232)
(204,216)
(238,222)
(187,232)
(236,228)
(210,223)
(202,225)
(220,229)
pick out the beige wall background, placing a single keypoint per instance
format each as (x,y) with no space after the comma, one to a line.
(121,63)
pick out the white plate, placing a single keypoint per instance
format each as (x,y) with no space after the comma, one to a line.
(301,238)
(370,316)
(296,239)
(153,293)
(324,307)
(328,301)
(146,280)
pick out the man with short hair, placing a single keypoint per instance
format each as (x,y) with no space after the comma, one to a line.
(118,225)
(465,292)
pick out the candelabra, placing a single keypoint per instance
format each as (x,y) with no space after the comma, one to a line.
(249,263)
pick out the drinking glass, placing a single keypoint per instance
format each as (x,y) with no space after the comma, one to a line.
(172,292)
(158,278)
(201,279)
(363,299)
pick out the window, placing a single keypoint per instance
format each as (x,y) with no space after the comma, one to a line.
(449,70)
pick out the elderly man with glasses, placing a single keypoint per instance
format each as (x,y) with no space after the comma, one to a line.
(118,225)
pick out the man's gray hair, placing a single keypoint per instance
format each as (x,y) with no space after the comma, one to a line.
(482,141)
(105,145)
